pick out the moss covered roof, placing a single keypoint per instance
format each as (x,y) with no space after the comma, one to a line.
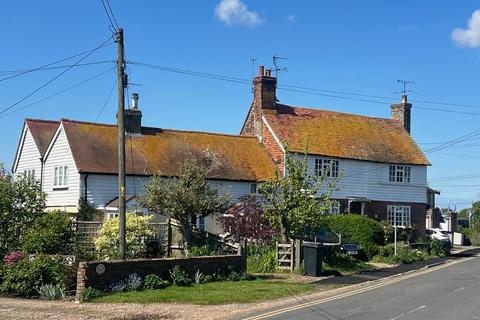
(42,132)
(161,151)
(343,135)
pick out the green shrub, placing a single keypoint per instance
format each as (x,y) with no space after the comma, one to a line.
(439,248)
(138,227)
(25,277)
(199,251)
(261,259)
(50,233)
(180,277)
(51,292)
(90,293)
(152,281)
(404,255)
(365,231)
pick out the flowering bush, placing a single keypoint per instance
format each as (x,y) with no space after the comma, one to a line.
(13,257)
(138,227)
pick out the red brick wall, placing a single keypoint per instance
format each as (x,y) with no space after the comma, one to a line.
(378,210)
(249,125)
(115,271)
(273,149)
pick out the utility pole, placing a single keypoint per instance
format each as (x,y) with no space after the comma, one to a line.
(121,142)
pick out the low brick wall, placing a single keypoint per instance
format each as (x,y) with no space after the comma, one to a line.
(101,274)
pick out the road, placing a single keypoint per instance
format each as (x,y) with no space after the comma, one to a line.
(451,291)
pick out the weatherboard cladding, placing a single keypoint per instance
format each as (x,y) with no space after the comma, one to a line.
(42,132)
(160,151)
(343,135)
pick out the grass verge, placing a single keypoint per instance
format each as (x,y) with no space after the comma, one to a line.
(213,292)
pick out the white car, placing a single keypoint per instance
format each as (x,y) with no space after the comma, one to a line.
(437,234)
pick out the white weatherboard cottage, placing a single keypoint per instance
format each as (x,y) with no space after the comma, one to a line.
(80,161)
(382,173)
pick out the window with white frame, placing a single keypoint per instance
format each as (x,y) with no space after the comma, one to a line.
(201,223)
(112,215)
(60,179)
(29,174)
(399,174)
(334,208)
(327,166)
(399,215)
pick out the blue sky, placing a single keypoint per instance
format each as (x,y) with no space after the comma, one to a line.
(350,46)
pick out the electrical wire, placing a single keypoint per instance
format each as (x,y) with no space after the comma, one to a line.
(110,16)
(58,67)
(300,89)
(57,93)
(44,67)
(106,101)
(54,78)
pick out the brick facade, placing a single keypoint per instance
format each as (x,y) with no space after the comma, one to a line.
(378,210)
(273,149)
(102,274)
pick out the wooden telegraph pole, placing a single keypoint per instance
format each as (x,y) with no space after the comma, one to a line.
(121,142)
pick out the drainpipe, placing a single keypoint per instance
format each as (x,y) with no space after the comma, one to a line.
(41,172)
(85,187)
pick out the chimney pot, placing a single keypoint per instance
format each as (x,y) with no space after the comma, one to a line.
(269,72)
(261,70)
(135,101)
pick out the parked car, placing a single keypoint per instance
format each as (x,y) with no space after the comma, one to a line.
(331,238)
(437,234)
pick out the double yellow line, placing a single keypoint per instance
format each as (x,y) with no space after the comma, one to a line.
(389,281)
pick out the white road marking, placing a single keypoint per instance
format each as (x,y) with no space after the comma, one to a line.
(385,282)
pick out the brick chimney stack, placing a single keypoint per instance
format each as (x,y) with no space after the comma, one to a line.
(402,112)
(265,97)
(133,117)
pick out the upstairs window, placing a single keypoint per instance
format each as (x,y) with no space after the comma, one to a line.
(399,216)
(60,179)
(400,174)
(327,166)
(29,174)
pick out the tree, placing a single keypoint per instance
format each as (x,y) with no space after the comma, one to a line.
(292,203)
(246,220)
(186,197)
(21,201)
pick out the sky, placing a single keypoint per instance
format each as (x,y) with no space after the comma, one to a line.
(359,47)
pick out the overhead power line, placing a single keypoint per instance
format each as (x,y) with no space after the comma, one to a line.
(57,93)
(56,67)
(44,67)
(306,90)
(4,110)
(110,15)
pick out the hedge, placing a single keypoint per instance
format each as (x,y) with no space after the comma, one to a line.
(365,231)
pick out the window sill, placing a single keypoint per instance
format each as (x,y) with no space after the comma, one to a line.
(59,188)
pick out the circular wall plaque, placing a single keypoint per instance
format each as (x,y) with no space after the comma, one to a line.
(100,268)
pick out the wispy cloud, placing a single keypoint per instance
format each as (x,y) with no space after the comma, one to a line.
(407,28)
(469,37)
(235,12)
(291,18)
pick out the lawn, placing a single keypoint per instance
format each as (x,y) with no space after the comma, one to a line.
(214,292)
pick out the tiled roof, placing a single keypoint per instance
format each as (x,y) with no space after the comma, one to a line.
(161,151)
(42,132)
(336,134)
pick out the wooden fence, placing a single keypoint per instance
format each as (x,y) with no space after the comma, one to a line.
(166,241)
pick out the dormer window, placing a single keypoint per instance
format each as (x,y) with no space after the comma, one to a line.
(399,174)
(327,166)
